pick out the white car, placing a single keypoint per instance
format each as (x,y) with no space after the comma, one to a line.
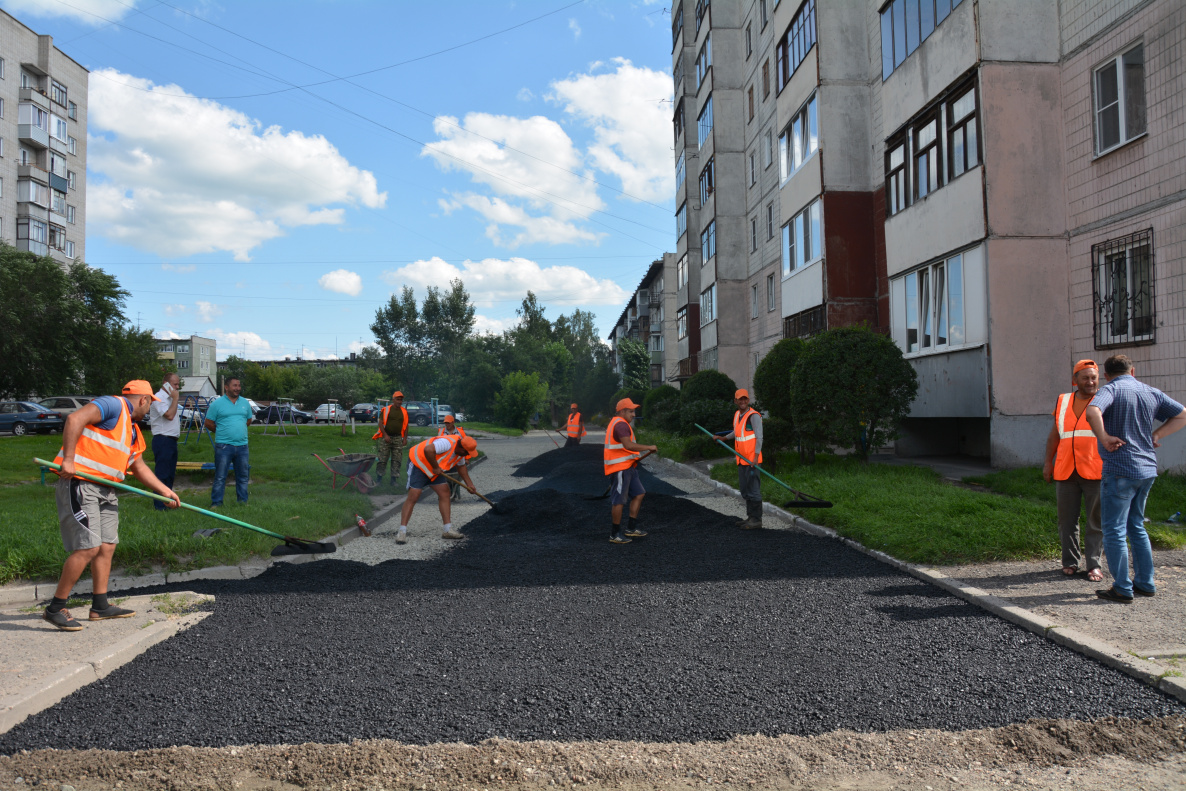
(330,413)
(64,405)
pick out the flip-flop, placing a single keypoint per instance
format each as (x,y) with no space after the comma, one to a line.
(1070,571)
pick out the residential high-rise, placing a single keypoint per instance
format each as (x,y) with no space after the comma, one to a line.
(193,356)
(43,106)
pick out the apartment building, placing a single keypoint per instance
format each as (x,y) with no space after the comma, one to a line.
(193,356)
(997,185)
(649,317)
(43,103)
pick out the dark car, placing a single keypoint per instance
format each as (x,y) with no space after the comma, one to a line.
(365,413)
(419,412)
(275,413)
(25,417)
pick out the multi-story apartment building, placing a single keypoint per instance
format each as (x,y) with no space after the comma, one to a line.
(649,318)
(995,184)
(193,356)
(43,102)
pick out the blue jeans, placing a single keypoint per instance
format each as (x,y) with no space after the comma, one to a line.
(164,450)
(224,457)
(1122,515)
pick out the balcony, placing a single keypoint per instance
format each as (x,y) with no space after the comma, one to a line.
(26,209)
(60,256)
(35,96)
(688,368)
(33,135)
(37,248)
(656,298)
(58,145)
(656,327)
(656,357)
(165,356)
(32,172)
(60,183)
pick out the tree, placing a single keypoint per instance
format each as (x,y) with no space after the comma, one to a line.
(709,384)
(772,379)
(319,385)
(234,367)
(851,387)
(660,408)
(521,396)
(123,353)
(636,364)
(403,336)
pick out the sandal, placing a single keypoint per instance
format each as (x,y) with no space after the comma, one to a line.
(1095,575)
(1070,571)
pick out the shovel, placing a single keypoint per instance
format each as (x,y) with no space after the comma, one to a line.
(495,507)
(804,501)
(611,486)
(291,545)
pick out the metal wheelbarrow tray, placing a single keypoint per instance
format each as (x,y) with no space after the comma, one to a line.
(354,467)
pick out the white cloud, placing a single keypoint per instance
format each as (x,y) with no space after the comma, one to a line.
(537,192)
(90,12)
(631,124)
(178,176)
(575,27)
(168,335)
(525,95)
(485,324)
(247,344)
(494,280)
(183,269)
(208,311)
(174,309)
(343,281)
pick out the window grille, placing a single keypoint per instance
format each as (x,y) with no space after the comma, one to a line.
(807,323)
(1122,282)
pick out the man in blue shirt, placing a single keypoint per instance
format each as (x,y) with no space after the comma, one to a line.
(1121,416)
(228,418)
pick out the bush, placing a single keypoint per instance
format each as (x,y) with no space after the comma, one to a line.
(701,447)
(852,388)
(656,396)
(519,398)
(772,379)
(714,415)
(709,385)
(777,435)
(635,395)
(660,408)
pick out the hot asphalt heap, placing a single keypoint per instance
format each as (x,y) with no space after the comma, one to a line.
(538,628)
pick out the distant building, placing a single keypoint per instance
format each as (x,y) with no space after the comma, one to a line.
(197,386)
(327,362)
(649,317)
(193,356)
(43,110)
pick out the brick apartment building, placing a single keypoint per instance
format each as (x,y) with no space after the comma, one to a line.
(997,185)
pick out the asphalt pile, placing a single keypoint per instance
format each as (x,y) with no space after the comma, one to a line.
(580,470)
(537,627)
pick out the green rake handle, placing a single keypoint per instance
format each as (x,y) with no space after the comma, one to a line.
(810,502)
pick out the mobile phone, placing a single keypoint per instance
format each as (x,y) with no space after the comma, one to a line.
(168,388)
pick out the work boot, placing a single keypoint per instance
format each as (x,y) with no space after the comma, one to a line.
(753,511)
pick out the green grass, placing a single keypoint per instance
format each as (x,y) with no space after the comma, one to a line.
(490,428)
(680,448)
(290,494)
(1167,496)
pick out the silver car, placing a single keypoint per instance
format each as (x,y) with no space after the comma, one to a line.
(64,405)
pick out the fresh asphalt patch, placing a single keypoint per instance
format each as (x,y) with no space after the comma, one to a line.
(536,627)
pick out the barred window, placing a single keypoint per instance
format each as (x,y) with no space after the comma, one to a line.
(802,325)
(1122,280)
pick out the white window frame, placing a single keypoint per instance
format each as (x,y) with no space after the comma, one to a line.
(681,323)
(708,305)
(753,309)
(681,272)
(1117,62)
(704,122)
(797,234)
(771,298)
(795,152)
(948,308)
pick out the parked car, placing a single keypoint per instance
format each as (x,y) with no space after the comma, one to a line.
(419,412)
(445,409)
(365,413)
(65,404)
(255,409)
(329,413)
(26,417)
(276,412)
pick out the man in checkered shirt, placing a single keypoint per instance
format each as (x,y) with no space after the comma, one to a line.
(1122,415)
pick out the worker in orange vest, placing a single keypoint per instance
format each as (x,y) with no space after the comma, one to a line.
(747,441)
(392,437)
(576,427)
(100,439)
(621,461)
(449,425)
(1073,463)
(426,462)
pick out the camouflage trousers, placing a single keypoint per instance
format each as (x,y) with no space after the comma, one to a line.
(388,449)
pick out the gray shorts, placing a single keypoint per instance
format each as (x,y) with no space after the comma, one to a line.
(87,513)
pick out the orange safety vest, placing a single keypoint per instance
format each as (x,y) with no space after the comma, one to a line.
(446,461)
(1078,449)
(745,442)
(574,426)
(108,453)
(442,433)
(616,456)
(403,432)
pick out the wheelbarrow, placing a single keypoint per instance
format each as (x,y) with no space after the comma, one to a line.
(354,467)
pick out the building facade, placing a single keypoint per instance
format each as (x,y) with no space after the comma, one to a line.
(649,318)
(43,140)
(193,356)
(996,185)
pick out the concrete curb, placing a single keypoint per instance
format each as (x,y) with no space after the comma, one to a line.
(17,707)
(1103,652)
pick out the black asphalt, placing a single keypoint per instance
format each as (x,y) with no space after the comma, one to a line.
(538,628)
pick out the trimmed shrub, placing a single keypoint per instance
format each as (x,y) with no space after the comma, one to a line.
(661,408)
(634,394)
(772,379)
(777,434)
(714,415)
(709,385)
(701,447)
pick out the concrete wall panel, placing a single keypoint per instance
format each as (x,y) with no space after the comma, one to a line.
(952,385)
(938,62)
(844,124)
(803,289)
(945,220)
(800,189)
(1019,30)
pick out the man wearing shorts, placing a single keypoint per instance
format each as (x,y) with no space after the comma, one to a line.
(449,427)
(427,462)
(621,456)
(102,440)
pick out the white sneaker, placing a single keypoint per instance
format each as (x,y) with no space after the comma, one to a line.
(451,534)
(401,537)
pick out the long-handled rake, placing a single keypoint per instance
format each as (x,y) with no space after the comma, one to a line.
(291,545)
(495,507)
(805,500)
(605,494)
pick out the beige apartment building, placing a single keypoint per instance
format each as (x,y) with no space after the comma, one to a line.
(998,185)
(43,105)
(649,317)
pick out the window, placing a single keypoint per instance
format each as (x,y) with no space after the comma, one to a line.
(749,41)
(32,230)
(1,68)
(1122,278)
(799,141)
(701,10)
(71,145)
(704,122)
(703,62)
(708,242)
(765,14)
(925,173)
(934,306)
(677,74)
(1119,88)
(72,111)
(681,221)
(681,324)
(57,128)
(707,303)
(168,347)
(769,220)
(29,191)
(769,153)
(58,202)
(805,324)
(707,181)
(182,363)
(905,24)
(766,79)
(183,348)
(680,175)
(1,146)
(802,239)
(753,234)
(57,92)
(33,115)
(26,80)
(57,236)
(751,103)
(753,168)
(71,180)
(753,307)
(1,108)
(57,164)
(656,342)
(795,43)
(895,177)
(677,121)
(677,25)
(681,272)
(68,249)
(70,214)
(769,293)
(963,150)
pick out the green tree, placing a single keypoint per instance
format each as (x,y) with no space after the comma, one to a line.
(319,385)
(403,336)
(520,397)
(636,364)
(708,384)
(772,379)
(660,408)
(852,388)
(123,353)
(234,367)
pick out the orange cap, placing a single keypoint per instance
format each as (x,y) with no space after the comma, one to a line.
(397,394)
(1079,366)
(625,403)
(573,406)
(741,394)
(447,418)
(139,387)
(469,443)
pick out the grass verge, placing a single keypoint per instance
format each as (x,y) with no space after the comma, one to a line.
(678,447)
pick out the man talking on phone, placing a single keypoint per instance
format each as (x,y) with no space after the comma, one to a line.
(165,425)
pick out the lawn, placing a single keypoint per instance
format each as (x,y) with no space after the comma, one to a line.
(290,494)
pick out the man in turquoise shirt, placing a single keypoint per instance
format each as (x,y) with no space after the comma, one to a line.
(227,418)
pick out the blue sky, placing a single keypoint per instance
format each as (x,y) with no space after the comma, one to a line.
(240,190)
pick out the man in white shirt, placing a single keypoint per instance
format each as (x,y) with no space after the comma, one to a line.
(165,425)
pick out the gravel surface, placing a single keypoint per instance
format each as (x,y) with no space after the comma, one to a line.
(536,627)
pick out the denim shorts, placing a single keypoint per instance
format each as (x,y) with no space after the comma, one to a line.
(625,485)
